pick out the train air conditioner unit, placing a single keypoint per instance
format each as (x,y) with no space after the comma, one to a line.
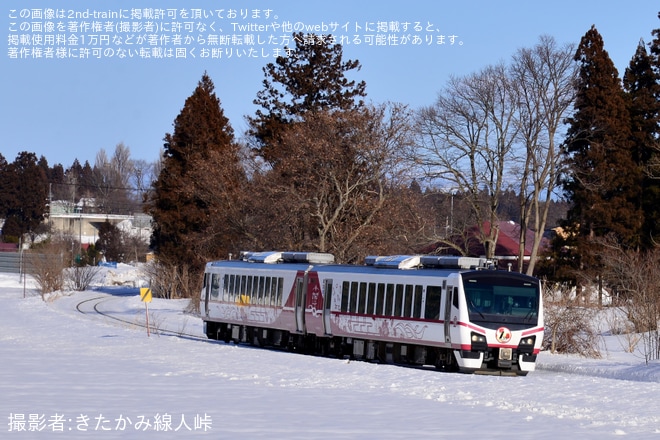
(449,262)
(308,257)
(393,261)
(269,257)
(272,257)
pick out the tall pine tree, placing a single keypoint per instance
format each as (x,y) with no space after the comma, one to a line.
(24,196)
(642,84)
(312,77)
(603,180)
(194,198)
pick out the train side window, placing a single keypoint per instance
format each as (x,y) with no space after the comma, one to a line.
(362,304)
(259,290)
(380,299)
(455,298)
(262,291)
(398,300)
(215,286)
(241,281)
(408,301)
(389,300)
(371,298)
(345,293)
(225,288)
(433,301)
(280,287)
(273,291)
(267,296)
(352,301)
(232,288)
(417,303)
(248,290)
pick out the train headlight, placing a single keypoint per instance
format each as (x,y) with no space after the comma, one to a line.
(478,342)
(478,338)
(527,344)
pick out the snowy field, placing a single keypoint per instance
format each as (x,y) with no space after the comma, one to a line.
(67,371)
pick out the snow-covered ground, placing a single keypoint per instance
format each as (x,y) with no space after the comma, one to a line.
(68,372)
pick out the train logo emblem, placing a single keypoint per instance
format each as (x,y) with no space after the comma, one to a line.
(503,335)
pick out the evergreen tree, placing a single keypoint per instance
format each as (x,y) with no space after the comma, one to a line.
(193,200)
(603,180)
(110,242)
(642,84)
(24,196)
(312,77)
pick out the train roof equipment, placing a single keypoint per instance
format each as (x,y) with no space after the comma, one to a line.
(453,262)
(273,257)
(393,261)
(429,261)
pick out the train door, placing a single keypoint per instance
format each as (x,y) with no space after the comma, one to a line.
(207,293)
(448,301)
(300,303)
(327,302)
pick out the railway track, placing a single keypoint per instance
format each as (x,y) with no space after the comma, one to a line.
(91,306)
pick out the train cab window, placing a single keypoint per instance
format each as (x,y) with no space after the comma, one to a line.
(433,300)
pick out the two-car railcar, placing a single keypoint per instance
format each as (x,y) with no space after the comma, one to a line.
(455,313)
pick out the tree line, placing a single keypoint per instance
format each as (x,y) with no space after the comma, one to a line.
(551,130)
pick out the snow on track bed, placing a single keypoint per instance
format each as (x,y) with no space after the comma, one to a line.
(57,360)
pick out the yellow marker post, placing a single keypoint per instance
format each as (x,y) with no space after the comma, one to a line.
(145,296)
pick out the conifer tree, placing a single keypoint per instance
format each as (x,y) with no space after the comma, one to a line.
(24,200)
(642,84)
(194,197)
(312,77)
(603,180)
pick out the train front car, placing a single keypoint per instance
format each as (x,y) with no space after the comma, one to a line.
(501,322)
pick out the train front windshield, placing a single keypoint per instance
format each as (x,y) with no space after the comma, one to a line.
(502,298)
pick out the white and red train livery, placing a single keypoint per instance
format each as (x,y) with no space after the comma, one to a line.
(455,313)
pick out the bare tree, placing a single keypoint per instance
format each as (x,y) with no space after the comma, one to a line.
(544,80)
(141,177)
(466,143)
(122,165)
(569,323)
(335,179)
(112,179)
(634,277)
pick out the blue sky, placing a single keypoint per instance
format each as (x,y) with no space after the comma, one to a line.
(65,109)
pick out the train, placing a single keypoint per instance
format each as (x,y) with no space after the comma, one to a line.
(452,313)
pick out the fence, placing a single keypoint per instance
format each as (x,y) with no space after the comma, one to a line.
(10,262)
